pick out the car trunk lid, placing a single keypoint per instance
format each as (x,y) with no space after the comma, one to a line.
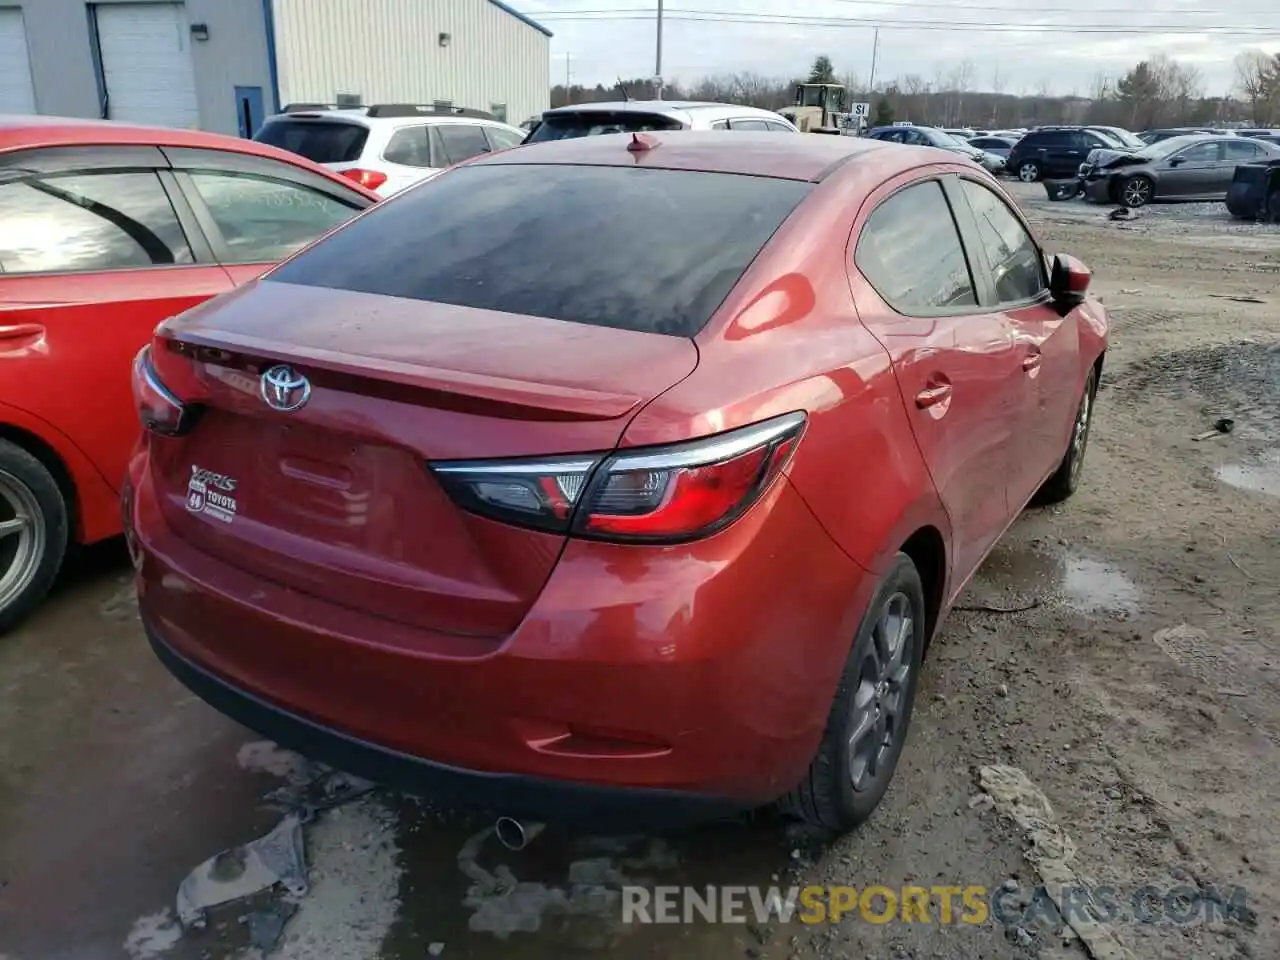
(337,491)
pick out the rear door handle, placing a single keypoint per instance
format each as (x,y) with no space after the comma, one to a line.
(933,395)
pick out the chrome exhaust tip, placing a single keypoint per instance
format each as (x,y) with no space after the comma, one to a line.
(515,835)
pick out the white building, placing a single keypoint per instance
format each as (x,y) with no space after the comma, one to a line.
(224,65)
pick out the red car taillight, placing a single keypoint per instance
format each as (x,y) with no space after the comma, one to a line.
(662,494)
(159,409)
(369,179)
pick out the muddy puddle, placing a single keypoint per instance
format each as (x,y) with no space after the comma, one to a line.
(1052,574)
(1260,475)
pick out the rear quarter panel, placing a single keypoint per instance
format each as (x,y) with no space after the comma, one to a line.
(789,338)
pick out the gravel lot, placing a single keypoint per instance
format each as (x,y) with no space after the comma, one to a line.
(1136,684)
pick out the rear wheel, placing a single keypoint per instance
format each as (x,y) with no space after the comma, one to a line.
(1066,479)
(1136,191)
(33,532)
(1029,171)
(871,713)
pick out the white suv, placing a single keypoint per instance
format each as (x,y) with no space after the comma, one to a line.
(387,147)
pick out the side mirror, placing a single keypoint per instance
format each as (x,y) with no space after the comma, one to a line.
(1176,161)
(1068,280)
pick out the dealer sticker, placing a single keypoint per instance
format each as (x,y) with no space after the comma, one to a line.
(211,494)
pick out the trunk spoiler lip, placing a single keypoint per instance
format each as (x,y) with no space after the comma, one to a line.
(523,399)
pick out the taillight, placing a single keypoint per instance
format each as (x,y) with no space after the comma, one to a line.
(158,408)
(660,494)
(369,179)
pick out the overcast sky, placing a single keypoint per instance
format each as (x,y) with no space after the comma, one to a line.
(1056,42)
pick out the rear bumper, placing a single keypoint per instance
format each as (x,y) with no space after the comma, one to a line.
(531,797)
(661,684)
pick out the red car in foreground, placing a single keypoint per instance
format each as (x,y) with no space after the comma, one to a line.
(106,230)
(621,477)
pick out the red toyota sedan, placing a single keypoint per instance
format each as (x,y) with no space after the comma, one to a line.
(625,477)
(106,230)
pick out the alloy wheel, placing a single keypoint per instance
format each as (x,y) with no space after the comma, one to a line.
(22,537)
(1137,192)
(880,699)
(1080,432)
(1028,173)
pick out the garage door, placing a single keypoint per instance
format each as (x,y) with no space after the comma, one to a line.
(17,95)
(146,63)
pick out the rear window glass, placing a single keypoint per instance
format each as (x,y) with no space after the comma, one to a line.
(593,123)
(638,249)
(320,141)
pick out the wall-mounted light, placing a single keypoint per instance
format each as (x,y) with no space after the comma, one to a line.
(444,39)
(199,31)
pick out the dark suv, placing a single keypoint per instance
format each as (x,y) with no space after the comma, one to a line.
(1055,152)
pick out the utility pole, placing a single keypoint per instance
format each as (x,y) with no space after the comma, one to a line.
(657,70)
(875,48)
(568,96)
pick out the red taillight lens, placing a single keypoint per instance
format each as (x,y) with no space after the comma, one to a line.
(159,409)
(369,179)
(665,494)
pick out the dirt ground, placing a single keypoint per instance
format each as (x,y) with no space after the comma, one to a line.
(1136,684)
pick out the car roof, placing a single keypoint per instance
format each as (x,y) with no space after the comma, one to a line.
(34,132)
(680,109)
(358,116)
(808,158)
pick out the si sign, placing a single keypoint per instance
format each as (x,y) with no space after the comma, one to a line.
(861,109)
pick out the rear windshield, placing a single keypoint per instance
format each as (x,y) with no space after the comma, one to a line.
(592,123)
(320,141)
(637,249)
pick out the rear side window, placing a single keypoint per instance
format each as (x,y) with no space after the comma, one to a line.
(503,139)
(409,147)
(747,125)
(637,249)
(98,221)
(320,141)
(592,123)
(263,219)
(460,141)
(1240,150)
(910,252)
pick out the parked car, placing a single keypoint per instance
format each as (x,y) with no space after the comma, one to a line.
(105,230)
(1197,167)
(518,490)
(1262,132)
(1055,152)
(959,133)
(917,136)
(1119,135)
(638,116)
(999,146)
(387,147)
(1167,133)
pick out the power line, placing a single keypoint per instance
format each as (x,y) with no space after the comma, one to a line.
(711,16)
(906,4)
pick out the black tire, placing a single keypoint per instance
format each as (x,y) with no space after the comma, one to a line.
(31,558)
(1273,207)
(1066,479)
(827,797)
(1029,171)
(1136,191)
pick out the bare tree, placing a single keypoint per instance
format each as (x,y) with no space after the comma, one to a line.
(962,82)
(1254,82)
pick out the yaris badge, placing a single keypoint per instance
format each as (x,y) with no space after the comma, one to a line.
(284,389)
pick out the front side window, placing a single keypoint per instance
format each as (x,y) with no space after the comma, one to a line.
(910,251)
(85,222)
(1200,153)
(748,125)
(461,141)
(262,219)
(654,251)
(1014,258)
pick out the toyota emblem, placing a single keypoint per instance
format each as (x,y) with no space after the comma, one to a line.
(284,389)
